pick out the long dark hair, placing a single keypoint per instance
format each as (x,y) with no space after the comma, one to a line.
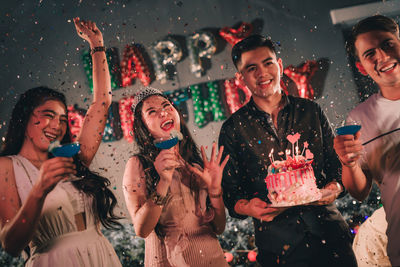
(93,184)
(148,151)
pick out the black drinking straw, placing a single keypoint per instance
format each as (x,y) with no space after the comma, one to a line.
(379,136)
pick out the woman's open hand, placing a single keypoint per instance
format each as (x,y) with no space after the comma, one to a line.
(211,174)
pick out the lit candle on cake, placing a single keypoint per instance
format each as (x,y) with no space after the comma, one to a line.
(297,143)
(271,156)
(287,151)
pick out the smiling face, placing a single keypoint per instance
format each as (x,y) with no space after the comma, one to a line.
(47,123)
(260,71)
(160,117)
(379,55)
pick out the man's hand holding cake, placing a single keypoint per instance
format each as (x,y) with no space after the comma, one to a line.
(258,209)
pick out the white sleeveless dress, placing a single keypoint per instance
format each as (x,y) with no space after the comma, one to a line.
(56,241)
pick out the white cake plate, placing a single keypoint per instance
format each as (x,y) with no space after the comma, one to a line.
(324,194)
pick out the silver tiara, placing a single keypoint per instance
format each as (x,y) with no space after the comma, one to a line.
(143,94)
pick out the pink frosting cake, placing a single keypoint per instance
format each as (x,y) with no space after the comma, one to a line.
(292,182)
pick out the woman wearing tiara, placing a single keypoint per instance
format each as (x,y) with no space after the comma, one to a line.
(173,195)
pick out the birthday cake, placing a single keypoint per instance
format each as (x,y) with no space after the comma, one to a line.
(292,182)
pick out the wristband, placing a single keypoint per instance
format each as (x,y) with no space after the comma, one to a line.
(97,49)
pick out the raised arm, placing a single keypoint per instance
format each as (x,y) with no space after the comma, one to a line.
(93,126)
(211,175)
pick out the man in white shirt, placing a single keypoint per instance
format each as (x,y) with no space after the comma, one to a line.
(375,43)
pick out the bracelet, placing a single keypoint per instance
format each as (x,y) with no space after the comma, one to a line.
(97,49)
(158,199)
(215,195)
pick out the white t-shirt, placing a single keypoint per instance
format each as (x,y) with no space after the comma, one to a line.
(381,157)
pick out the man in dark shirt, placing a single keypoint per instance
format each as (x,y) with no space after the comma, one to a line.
(308,235)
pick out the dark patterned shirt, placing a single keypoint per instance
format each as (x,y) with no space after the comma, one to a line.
(248,137)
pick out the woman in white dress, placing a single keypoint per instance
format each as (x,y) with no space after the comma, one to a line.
(57,220)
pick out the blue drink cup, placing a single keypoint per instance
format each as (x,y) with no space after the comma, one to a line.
(348,129)
(67,150)
(164,143)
